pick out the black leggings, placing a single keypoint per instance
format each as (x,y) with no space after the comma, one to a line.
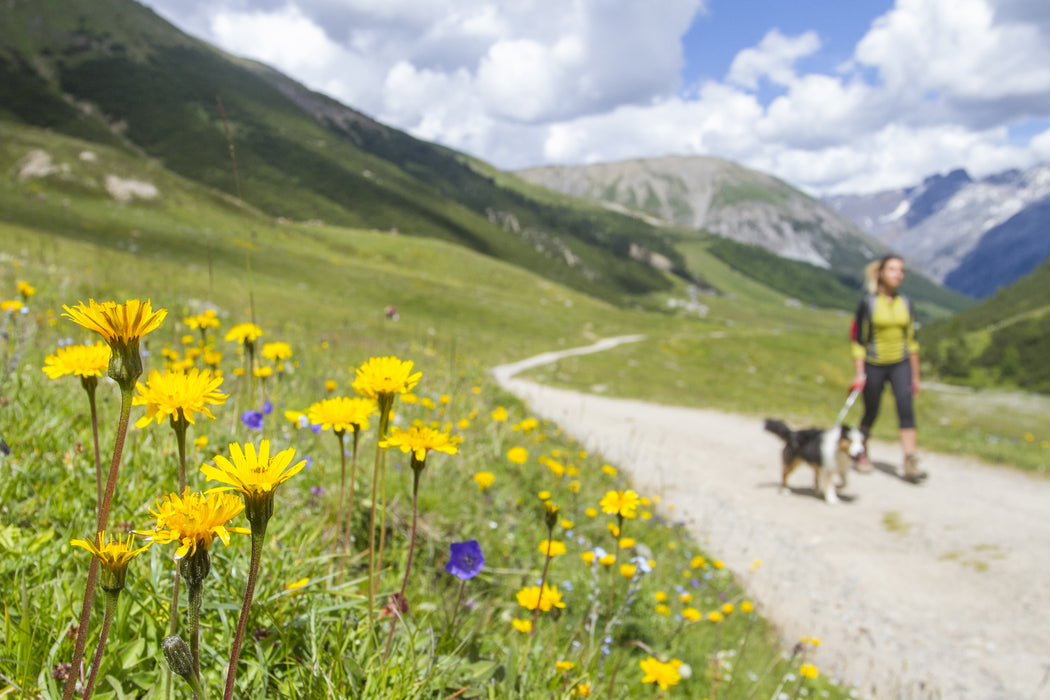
(899,377)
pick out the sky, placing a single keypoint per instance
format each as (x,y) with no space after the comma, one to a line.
(832,96)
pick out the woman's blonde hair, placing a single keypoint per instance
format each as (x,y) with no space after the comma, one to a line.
(874,268)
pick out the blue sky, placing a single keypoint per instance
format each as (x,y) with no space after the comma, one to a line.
(833,96)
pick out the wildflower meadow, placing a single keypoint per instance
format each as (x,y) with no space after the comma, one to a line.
(195,504)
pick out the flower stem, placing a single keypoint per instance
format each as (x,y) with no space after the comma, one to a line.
(417,472)
(350,505)
(179,426)
(126,390)
(196,595)
(111,608)
(90,383)
(242,623)
(384,420)
(342,486)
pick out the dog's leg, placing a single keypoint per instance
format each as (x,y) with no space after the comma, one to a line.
(827,487)
(789,465)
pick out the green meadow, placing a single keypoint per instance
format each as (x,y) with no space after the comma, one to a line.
(661,618)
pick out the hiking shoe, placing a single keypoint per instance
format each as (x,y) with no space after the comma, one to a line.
(912,472)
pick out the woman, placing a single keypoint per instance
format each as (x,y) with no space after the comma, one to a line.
(884,349)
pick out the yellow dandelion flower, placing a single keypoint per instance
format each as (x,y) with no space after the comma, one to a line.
(385,377)
(212,357)
(692,614)
(25,289)
(523,626)
(662,609)
(113,557)
(201,442)
(728,609)
(178,396)
(419,439)
(552,548)
(808,671)
(588,557)
(500,414)
(81,360)
(685,597)
(462,424)
(626,542)
(330,385)
(614,529)
(583,690)
(194,520)
(660,596)
(574,486)
(244,333)
(591,512)
(10,305)
(342,413)
(563,666)
(529,424)
(296,585)
(628,570)
(608,469)
(698,562)
(607,560)
(566,524)
(484,479)
(122,326)
(746,606)
(255,475)
(717,563)
(518,455)
(531,598)
(277,351)
(263,372)
(208,319)
(714,616)
(663,674)
(544,495)
(622,503)
(444,399)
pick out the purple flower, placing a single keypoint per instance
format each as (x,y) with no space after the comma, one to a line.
(267,407)
(253,420)
(316,427)
(465,559)
(317,491)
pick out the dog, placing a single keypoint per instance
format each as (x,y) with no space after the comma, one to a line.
(830,452)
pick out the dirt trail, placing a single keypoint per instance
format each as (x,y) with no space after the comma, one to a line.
(940,590)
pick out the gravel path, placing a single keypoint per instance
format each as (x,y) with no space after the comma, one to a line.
(933,591)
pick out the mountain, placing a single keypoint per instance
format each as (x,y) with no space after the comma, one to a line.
(115,73)
(724,198)
(975,236)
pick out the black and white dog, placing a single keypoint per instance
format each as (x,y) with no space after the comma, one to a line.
(830,452)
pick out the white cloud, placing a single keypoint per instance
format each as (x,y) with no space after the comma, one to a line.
(774,59)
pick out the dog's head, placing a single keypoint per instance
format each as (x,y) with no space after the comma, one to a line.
(853,442)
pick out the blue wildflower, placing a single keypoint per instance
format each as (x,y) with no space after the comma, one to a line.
(267,407)
(253,420)
(465,559)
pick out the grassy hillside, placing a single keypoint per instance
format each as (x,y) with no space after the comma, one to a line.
(114,72)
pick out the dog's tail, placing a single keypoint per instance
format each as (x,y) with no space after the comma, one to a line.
(778,428)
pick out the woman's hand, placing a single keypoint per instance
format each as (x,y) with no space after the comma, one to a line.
(859,380)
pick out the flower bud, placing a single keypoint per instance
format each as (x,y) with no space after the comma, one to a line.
(180,660)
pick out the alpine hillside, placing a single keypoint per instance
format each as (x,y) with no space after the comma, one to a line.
(975,236)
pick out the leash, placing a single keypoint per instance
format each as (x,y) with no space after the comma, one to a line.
(850,400)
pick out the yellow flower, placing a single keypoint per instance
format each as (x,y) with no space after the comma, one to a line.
(342,413)
(662,609)
(626,542)
(611,471)
(81,360)
(614,529)
(524,626)
(808,671)
(276,351)
(178,395)
(10,305)
(591,512)
(566,524)
(717,563)
(692,614)
(296,585)
(728,609)
(556,467)
(418,439)
(201,442)
(685,597)
(698,562)
(627,570)
(25,289)
(622,503)
(607,560)
(113,558)
(544,495)
(714,616)
(385,377)
(212,357)
(583,690)
(552,547)
(746,606)
(244,333)
(462,424)
(588,557)
(660,596)
(194,520)
(530,598)
(263,372)
(208,319)
(119,324)
(518,455)
(499,415)
(574,486)
(563,666)
(255,475)
(330,385)
(663,674)
(484,479)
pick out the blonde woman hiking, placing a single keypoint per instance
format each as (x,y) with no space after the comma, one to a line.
(885,350)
